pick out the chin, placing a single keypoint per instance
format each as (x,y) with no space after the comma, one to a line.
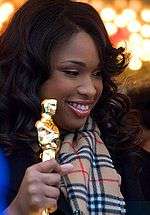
(69,123)
(75,126)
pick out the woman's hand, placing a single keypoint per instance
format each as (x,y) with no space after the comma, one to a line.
(39,188)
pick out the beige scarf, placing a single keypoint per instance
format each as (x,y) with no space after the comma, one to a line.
(94,186)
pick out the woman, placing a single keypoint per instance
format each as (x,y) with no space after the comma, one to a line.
(60,49)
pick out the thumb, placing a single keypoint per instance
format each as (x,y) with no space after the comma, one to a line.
(48,166)
(66,168)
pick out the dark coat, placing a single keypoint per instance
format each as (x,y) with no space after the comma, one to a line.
(131,166)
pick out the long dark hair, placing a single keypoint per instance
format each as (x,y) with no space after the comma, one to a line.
(26,45)
(140,98)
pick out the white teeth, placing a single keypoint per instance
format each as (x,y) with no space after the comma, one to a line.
(83,107)
(74,105)
(79,106)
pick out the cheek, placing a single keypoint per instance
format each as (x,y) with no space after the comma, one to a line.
(62,89)
(55,89)
(45,90)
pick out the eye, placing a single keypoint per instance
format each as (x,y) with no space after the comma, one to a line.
(97,74)
(71,72)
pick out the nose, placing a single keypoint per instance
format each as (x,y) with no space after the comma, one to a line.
(87,88)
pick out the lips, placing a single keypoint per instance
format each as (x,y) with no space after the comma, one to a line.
(81,110)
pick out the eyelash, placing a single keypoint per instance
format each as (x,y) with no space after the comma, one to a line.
(71,72)
(96,75)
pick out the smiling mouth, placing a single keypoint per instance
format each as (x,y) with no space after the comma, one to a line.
(79,109)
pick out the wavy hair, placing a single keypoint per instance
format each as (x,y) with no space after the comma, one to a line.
(141,102)
(26,45)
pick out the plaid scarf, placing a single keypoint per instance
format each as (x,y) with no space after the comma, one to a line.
(94,186)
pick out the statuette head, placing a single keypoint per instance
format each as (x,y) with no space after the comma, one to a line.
(49,106)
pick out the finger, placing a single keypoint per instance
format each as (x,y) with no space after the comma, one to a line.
(51,192)
(50,203)
(44,195)
(51,179)
(48,166)
(45,203)
(66,169)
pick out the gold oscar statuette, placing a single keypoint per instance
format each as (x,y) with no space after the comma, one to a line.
(48,136)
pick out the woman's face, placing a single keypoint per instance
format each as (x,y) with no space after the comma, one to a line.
(75,80)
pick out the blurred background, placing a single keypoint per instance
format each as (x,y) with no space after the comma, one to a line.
(128,25)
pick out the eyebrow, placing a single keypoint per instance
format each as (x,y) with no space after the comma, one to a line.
(79,63)
(75,62)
